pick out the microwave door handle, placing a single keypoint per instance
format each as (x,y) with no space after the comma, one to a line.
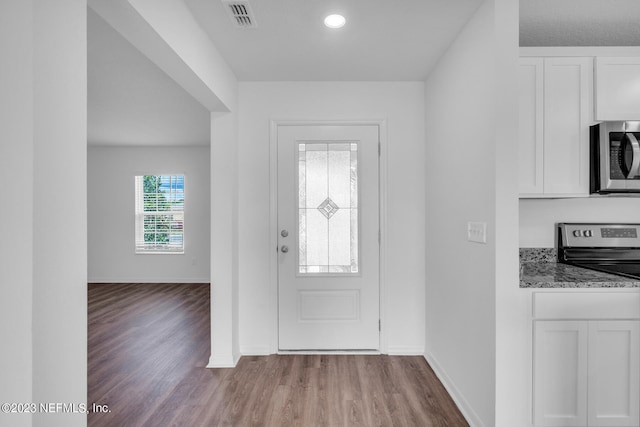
(635,163)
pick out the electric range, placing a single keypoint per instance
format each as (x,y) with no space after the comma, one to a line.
(611,248)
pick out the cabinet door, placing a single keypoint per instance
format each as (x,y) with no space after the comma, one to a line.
(614,373)
(530,126)
(560,373)
(617,88)
(568,112)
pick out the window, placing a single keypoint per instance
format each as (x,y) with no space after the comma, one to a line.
(159,214)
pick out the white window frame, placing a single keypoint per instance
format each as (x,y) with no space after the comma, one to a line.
(143,248)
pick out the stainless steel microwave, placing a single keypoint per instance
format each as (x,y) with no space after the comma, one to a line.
(615,157)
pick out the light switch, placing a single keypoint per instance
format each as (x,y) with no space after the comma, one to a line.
(477,232)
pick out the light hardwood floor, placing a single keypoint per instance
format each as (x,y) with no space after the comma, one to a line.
(149,345)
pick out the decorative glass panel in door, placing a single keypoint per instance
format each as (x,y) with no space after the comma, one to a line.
(328,207)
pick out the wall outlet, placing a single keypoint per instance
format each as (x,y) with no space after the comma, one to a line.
(477,232)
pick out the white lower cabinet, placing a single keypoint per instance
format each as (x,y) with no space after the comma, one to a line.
(560,373)
(587,373)
(613,392)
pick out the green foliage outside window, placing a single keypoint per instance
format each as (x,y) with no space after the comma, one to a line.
(163,193)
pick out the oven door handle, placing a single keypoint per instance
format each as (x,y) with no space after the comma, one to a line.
(634,170)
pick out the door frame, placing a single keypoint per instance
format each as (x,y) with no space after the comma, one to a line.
(273,217)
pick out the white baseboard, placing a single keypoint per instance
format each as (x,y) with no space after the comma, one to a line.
(401,350)
(255,351)
(332,352)
(392,351)
(467,411)
(222,361)
(107,280)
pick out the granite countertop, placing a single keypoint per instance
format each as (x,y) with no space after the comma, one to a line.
(539,270)
(556,275)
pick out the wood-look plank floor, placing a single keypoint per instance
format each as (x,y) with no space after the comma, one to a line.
(149,345)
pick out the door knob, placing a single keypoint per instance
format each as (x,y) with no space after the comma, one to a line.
(284,249)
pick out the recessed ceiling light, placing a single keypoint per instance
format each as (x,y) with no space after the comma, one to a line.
(334,21)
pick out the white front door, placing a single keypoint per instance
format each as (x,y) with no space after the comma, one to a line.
(328,235)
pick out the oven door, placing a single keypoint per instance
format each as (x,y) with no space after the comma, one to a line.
(619,157)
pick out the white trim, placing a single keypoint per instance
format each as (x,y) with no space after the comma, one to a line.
(163,279)
(273,213)
(553,196)
(405,350)
(580,51)
(332,352)
(383,189)
(467,411)
(222,361)
(167,252)
(256,351)
(273,227)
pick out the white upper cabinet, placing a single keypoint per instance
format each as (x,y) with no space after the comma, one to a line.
(530,129)
(617,88)
(568,106)
(556,110)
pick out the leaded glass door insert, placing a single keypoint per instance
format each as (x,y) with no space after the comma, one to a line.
(328,207)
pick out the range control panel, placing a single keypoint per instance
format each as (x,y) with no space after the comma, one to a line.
(599,235)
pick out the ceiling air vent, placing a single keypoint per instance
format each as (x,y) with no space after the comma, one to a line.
(240,13)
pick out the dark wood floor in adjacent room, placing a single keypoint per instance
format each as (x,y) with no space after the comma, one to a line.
(149,345)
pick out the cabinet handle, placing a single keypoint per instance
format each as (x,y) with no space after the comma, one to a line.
(635,163)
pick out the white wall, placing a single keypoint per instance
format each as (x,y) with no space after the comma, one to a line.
(111,172)
(16,224)
(465,95)
(402,105)
(538,216)
(60,207)
(225,344)
(43,271)
(513,337)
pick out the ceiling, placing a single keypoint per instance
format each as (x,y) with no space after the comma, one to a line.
(131,101)
(579,23)
(382,39)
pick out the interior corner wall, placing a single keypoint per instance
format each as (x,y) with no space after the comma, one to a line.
(112,257)
(461,127)
(402,105)
(16,223)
